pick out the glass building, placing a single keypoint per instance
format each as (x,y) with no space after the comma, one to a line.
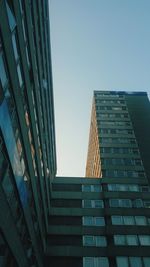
(27,132)
(47,220)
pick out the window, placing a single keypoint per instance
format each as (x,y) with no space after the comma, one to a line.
(88,262)
(95,262)
(88,240)
(19,75)
(146,261)
(3,75)
(146,204)
(125,203)
(93,221)
(138,203)
(88,220)
(132,240)
(122,262)
(91,188)
(86,188)
(144,240)
(135,261)
(140,220)
(15,48)
(93,203)
(117,220)
(145,189)
(119,240)
(11,18)
(99,221)
(128,220)
(97,241)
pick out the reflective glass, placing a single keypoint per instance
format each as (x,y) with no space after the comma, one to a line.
(144,240)
(86,188)
(87,203)
(128,220)
(146,261)
(97,188)
(98,203)
(88,240)
(122,262)
(88,262)
(19,75)
(135,261)
(132,240)
(3,75)
(140,220)
(11,18)
(87,220)
(117,220)
(102,262)
(119,240)
(101,241)
(99,221)
(15,47)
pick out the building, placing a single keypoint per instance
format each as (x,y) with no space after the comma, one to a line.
(104,220)
(27,135)
(52,221)
(119,120)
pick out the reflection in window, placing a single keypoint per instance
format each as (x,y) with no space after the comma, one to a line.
(3,75)
(95,262)
(93,221)
(19,75)
(11,18)
(97,241)
(14,42)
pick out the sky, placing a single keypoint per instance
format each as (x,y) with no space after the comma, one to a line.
(95,45)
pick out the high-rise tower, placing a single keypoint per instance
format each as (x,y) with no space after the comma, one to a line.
(119,135)
(27,134)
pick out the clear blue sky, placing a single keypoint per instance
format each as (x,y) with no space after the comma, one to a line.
(96,44)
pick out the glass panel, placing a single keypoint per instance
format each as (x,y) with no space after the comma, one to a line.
(99,221)
(138,203)
(11,18)
(132,240)
(3,75)
(146,261)
(122,262)
(87,220)
(126,203)
(128,220)
(102,262)
(19,75)
(133,187)
(15,47)
(88,240)
(101,241)
(86,188)
(135,261)
(114,203)
(140,220)
(98,203)
(119,240)
(112,187)
(87,203)
(97,188)
(146,204)
(145,188)
(123,187)
(144,240)
(117,220)
(88,262)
